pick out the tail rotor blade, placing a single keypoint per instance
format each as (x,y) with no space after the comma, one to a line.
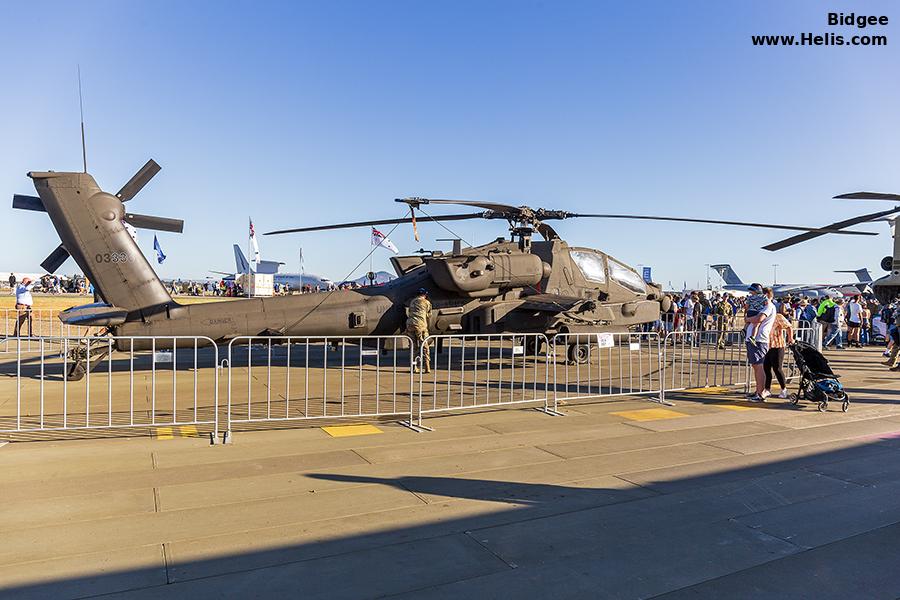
(55,260)
(155,223)
(138,181)
(28,203)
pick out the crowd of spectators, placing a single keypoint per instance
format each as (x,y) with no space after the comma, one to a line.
(55,284)
(231,288)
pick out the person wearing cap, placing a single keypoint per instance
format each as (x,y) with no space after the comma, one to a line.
(724,314)
(24,302)
(759,325)
(756,303)
(417,319)
(835,325)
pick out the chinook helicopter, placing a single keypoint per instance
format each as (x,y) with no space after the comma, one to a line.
(886,288)
(513,285)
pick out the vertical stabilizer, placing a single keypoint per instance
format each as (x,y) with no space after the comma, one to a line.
(862,275)
(241,264)
(727,274)
(91,227)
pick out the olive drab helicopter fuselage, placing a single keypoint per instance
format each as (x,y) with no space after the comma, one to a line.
(513,285)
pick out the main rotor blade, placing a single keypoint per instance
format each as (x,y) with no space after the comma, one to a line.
(55,260)
(839,225)
(379,222)
(495,206)
(869,196)
(138,181)
(818,230)
(155,223)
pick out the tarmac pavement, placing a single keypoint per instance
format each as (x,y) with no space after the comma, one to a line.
(711,498)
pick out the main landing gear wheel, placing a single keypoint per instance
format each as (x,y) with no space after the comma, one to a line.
(579,353)
(533,346)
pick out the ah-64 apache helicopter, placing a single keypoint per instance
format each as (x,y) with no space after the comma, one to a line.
(513,285)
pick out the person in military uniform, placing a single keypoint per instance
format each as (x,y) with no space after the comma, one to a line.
(724,315)
(417,328)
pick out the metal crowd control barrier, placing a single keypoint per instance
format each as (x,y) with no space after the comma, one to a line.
(121,387)
(810,332)
(20,329)
(482,371)
(590,365)
(695,359)
(290,378)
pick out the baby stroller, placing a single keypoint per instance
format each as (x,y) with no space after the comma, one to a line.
(818,383)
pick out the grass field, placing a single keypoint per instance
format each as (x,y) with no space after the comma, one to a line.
(64,301)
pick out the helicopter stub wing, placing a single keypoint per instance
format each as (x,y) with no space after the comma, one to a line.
(552,303)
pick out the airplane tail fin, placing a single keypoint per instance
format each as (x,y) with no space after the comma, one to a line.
(91,228)
(862,275)
(241,264)
(727,274)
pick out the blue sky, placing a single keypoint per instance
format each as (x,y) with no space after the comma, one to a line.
(309,113)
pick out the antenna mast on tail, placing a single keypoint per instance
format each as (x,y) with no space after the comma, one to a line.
(81,109)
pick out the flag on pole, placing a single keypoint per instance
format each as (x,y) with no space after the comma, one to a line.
(160,256)
(379,239)
(647,276)
(253,243)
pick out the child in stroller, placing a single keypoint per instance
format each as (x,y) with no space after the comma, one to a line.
(818,382)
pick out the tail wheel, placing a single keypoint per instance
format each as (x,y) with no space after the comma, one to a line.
(76,372)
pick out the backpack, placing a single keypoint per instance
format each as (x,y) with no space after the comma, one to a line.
(828,315)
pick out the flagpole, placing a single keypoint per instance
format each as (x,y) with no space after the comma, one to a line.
(371,258)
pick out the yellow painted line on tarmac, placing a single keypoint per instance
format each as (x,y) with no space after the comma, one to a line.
(188,431)
(649,414)
(163,433)
(351,430)
(707,390)
(735,407)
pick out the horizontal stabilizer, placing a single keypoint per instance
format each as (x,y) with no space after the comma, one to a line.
(97,314)
(55,260)
(28,203)
(154,223)
(138,181)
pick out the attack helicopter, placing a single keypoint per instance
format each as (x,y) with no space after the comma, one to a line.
(886,288)
(513,285)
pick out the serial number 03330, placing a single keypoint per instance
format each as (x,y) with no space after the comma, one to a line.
(111,257)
